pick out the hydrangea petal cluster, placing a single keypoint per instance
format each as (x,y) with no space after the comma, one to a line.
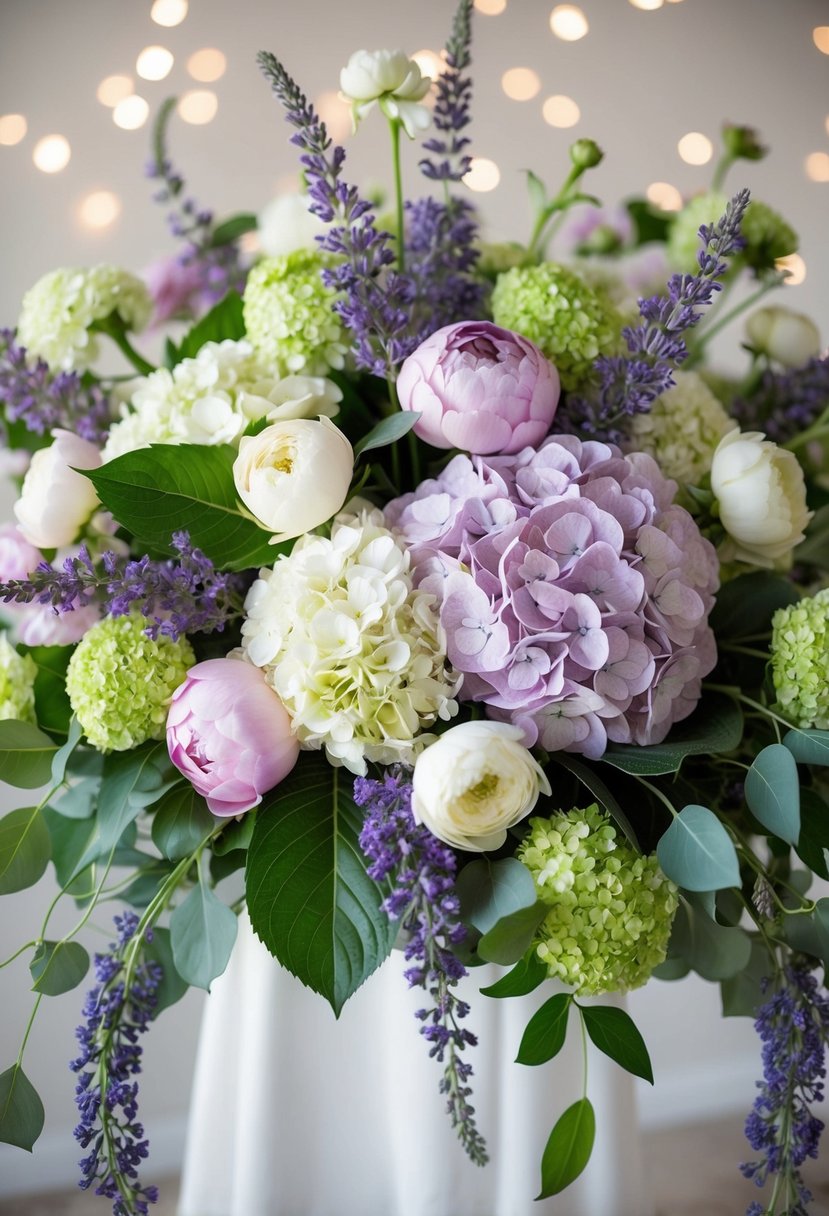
(573,591)
(800,660)
(17,681)
(553,307)
(766,234)
(60,309)
(682,429)
(212,398)
(289,316)
(355,653)
(611,909)
(120,682)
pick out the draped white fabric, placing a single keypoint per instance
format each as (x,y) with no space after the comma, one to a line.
(296,1114)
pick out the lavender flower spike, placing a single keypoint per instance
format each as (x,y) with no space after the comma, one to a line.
(42,400)
(452,102)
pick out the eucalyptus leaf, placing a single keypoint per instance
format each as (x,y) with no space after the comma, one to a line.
(181,821)
(387,431)
(813,844)
(202,933)
(672,969)
(527,974)
(546,1031)
(172,987)
(25,849)
(62,755)
(568,1148)
(772,789)
(742,994)
(131,781)
(716,952)
(78,800)
(715,728)
(614,1032)
(21,1110)
(490,890)
(697,852)
(510,938)
(808,746)
(26,754)
(58,967)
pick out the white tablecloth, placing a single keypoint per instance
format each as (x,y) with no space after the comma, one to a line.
(296,1114)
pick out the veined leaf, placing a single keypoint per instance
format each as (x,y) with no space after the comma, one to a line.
(58,967)
(615,1033)
(715,727)
(773,792)
(202,933)
(697,852)
(387,431)
(25,849)
(546,1031)
(568,1148)
(26,754)
(21,1110)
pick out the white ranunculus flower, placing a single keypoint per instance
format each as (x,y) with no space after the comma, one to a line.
(476,781)
(294,475)
(55,500)
(285,224)
(787,337)
(762,497)
(292,397)
(393,80)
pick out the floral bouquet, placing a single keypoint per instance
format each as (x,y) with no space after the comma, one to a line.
(445,591)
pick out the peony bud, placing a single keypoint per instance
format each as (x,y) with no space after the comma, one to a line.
(56,501)
(787,337)
(391,78)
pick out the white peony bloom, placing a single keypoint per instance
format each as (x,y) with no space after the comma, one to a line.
(476,781)
(682,429)
(353,650)
(393,80)
(789,338)
(761,495)
(55,501)
(285,224)
(294,475)
(59,310)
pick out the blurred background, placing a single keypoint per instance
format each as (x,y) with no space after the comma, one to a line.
(650,80)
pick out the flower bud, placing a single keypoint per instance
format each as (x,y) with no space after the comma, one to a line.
(787,337)
(586,154)
(391,78)
(55,500)
(742,143)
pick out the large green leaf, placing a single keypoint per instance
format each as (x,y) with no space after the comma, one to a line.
(808,746)
(697,852)
(773,792)
(510,938)
(568,1148)
(309,897)
(745,605)
(614,1032)
(716,727)
(202,933)
(51,701)
(546,1031)
(716,952)
(168,488)
(21,1110)
(58,967)
(527,974)
(490,890)
(231,229)
(591,780)
(181,821)
(25,754)
(225,320)
(25,849)
(131,781)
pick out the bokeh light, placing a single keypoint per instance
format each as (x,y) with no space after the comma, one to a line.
(483,175)
(820,34)
(490,8)
(13,128)
(131,113)
(100,209)
(207,65)
(817,166)
(520,84)
(113,89)
(169,12)
(796,268)
(51,153)
(198,107)
(154,63)
(560,111)
(695,148)
(664,196)
(649,6)
(335,113)
(568,22)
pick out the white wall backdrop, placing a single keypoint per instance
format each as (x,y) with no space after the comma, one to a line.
(641,79)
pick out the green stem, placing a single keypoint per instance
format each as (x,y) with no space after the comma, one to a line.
(583,1049)
(740,696)
(734,648)
(17,954)
(658,793)
(28,1030)
(394,127)
(720,324)
(723,165)
(113,327)
(538,240)
(817,430)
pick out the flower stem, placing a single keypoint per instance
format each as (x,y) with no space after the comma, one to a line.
(394,127)
(562,200)
(720,324)
(29,1026)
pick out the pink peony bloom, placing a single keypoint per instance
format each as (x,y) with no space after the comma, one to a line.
(38,624)
(18,558)
(479,388)
(230,735)
(177,290)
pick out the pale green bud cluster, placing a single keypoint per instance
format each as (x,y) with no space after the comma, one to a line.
(800,660)
(289,316)
(611,909)
(17,679)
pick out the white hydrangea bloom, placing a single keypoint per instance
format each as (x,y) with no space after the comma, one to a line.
(212,398)
(682,429)
(58,311)
(353,650)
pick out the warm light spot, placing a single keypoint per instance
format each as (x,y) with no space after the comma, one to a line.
(207,65)
(198,107)
(826,124)
(695,148)
(100,209)
(335,113)
(649,6)
(490,8)
(113,89)
(249,243)
(817,166)
(154,63)
(483,175)
(520,84)
(560,111)
(796,267)
(51,154)
(568,22)
(664,196)
(429,62)
(821,36)
(131,113)
(12,129)
(168,12)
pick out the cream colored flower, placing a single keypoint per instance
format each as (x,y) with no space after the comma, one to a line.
(285,224)
(55,501)
(789,338)
(393,80)
(682,429)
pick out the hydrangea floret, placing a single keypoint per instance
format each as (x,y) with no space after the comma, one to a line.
(611,908)
(682,429)
(59,311)
(120,682)
(289,316)
(17,680)
(800,660)
(353,650)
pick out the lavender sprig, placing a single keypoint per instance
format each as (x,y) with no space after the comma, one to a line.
(452,104)
(42,399)
(793,1025)
(106,1095)
(629,384)
(786,403)
(184,596)
(374,299)
(423,899)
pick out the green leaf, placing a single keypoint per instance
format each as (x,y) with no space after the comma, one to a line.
(490,890)
(697,852)
(808,746)
(546,1031)
(650,223)
(537,192)
(813,845)
(51,701)
(568,1148)
(25,754)
(510,938)
(232,228)
(77,801)
(131,781)
(716,727)
(524,978)
(147,882)
(742,994)
(387,431)
(62,755)
(237,835)
(70,839)
(21,1110)
(58,967)
(168,488)
(615,1033)
(225,320)
(716,952)
(821,922)
(593,782)
(172,987)
(745,605)
(222,867)
(202,933)
(25,849)
(309,897)
(773,792)
(181,821)
(672,969)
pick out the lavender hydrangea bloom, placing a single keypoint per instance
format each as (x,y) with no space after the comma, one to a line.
(42,400)
(574,592)
(793,1026)
(786,403)
(423,899)
(111,1057)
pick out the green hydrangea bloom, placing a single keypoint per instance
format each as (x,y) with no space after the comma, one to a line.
(611,909)
(768,236)
(289,316)
(58,311)
(800,661)
(17,680)
(120,682)
(553,307)
(681,430)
